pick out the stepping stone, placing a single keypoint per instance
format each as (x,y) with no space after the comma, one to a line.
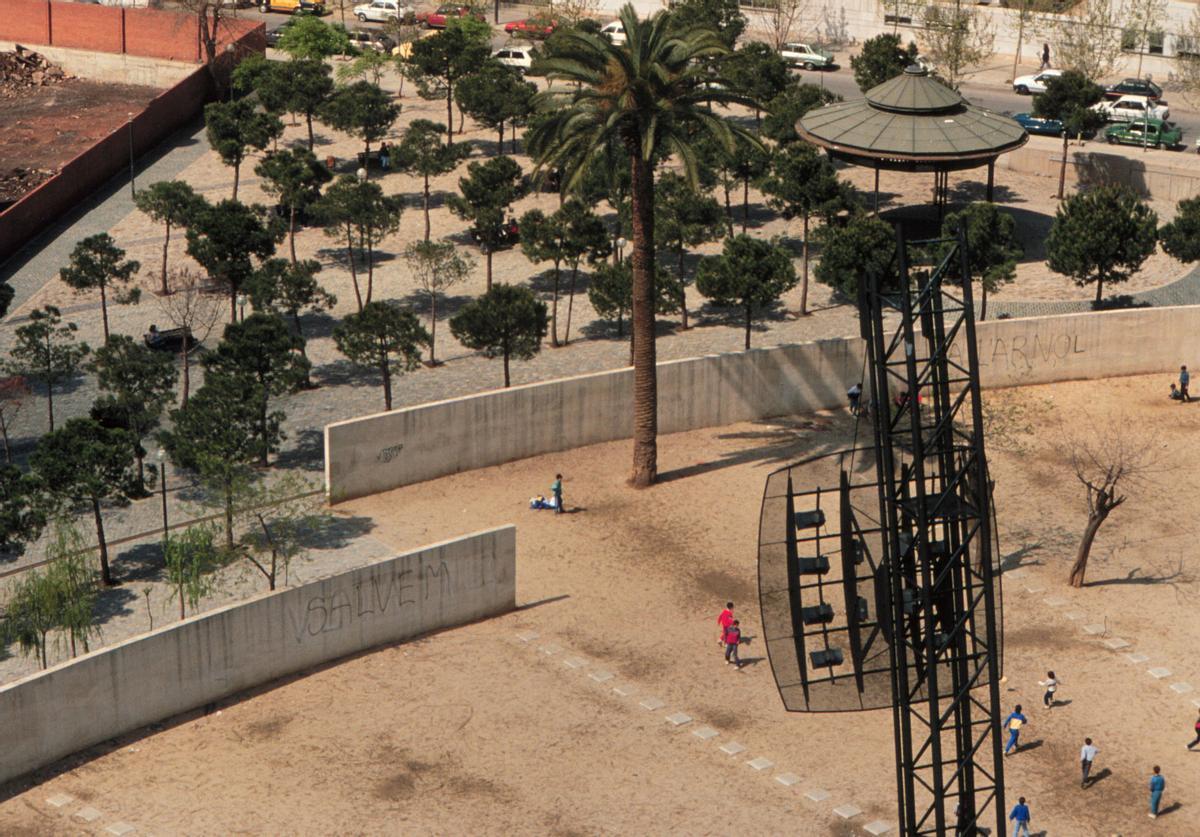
(817,795)
(847,811)
(760,763)
(529,636)
(705,733)
(1094,630)
(876,828)
(732,748)
(1016,574)
(1074,615)
(88,814)
(549,650)
(679,719)
(1159,673)
(59,800)
(787,779)
(652,703)
(1055,601)
(1116,643)
(601,676)
(624,691)
(575,662)
(1181,688)
(1137,658)
(120,829)
(1035,590)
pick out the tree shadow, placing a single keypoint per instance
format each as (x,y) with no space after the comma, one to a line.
(735,317)
(448,306)
(143,562)
(605,330)
(1016,559)
(341,372)
(113,602)
(1134,577)
(780,440)
(1119,303)
(317,325)
(973,191)
(307,451)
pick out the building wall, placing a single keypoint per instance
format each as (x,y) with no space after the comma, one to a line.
(204,658)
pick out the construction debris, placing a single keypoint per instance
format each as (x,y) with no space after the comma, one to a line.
(23,68)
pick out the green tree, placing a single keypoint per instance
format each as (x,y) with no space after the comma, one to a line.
(646,98)
(488,190)
(786,109)
(14,393)
(437,63)
(45,351)
(369,65)
(384,336)
(880,59)
(1069,99)
(226,237)
(956,37)
(360,212)
(1181,237)
(611,294)
(757,71)
(496,94)
(568,235)
(285,515)
(684,218)
(436,265)
(191,559)
(295,177)
(84,463)
(290,289)
(266,80)
(72,578)
(98,263)
(721,16)
(137,383)
(802,182)
(854,252)
(173,203)
(216,436)
(421,152)
(311,38)
(234,128)
(507,322)
(1102,235)
(262,351)
(750,274)
(22,511)
(362,110)
(310,86)
(31,613)
(992,246)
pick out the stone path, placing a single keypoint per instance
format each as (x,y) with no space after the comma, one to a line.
(79,814)
(1184,291)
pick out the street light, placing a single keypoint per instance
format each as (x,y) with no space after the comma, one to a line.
(241,301)
(162,483)
(132,187)
(621,242)
(361,174)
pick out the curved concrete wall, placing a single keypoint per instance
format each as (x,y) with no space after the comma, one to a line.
(387,450)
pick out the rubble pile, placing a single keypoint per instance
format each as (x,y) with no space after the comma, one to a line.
(14,183)
(23,69)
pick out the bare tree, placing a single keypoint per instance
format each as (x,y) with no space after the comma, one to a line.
(570,12)
(784,20)
(1142,18)
(192,309)
(209,14)
(1108,461)
(1089,38)
(1021,12)
(956,37)
(14,392)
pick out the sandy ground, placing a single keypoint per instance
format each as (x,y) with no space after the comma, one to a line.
(472,731)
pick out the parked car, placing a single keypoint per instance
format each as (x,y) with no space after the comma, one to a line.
(532,27)
(808,56)
(1038,125)
(381,11)
(1035,83)
(293,6)
(438,17)
(1134,87)
(363,39)
(615,32)
(1152,133)
(520,58)
(1131,109)
(170,340)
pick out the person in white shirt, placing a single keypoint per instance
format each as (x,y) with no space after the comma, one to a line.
(1051,684)
(1086,756)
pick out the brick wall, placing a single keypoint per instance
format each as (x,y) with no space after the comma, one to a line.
(84,26)
(147,33)
(25,21)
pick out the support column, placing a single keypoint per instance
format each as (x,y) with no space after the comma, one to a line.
(876,188)
(991,179)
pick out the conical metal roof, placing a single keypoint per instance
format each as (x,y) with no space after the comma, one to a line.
(913,91)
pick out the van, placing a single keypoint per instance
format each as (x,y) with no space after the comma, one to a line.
(292,6)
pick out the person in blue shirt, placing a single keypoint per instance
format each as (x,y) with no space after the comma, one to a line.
(1014,722)
(1184,380)
(1157,784)
(1020,818)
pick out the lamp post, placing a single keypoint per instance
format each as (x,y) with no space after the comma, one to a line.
(241,301)
(361,174)
(162,484)
(621,242)
(129,123)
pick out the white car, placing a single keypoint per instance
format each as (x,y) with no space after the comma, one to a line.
(615,32)
(380,11)
(1131,109)
(520,58)
(1035,83)
(808,56)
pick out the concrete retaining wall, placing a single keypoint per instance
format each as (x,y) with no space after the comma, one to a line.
(1162,175)
(384,451)
(202,659)
(113,68)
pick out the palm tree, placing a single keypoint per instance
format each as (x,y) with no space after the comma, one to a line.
(648,99)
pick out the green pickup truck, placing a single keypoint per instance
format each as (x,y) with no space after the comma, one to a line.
(1150,133)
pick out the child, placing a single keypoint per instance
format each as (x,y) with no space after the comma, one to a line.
(556,490)
(1051,684)
(1014,722)
(1176,395)
(733,638)
(724,621)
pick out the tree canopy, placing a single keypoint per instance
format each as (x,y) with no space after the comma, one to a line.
(235,127)
(750,274)
(422,152)
(226,238)
(361,213)
(852,253)
(881,58)
(438,62)
(362,110)
(309,37)
(1181,236)
(45,351)
(383,336)
(173,203)
(507,321)
(294,176)
(487,192)
(97,263)
(992,246)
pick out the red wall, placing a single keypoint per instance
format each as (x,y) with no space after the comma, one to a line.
(147,33)
(25,21)
(84,26)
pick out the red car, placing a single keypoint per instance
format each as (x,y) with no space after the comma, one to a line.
(532,27)
(437,19)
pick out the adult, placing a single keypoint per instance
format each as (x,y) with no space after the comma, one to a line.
(1184,380)
(1045,57)
(854,394)
(1013,723)
(1020,818)
(1157,785)
(1087,755)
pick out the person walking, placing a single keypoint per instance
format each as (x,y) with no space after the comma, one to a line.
(1013,723)
(723,622)
(1051,685)
(556,490)
(732,639)
(1157,785)
(1195,740)
(1020,818)
(1045,57)
(1184,380)
(1086,756)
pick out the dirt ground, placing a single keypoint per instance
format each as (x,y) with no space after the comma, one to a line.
(41,128)
(473,731)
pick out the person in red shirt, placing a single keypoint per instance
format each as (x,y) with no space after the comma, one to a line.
(732,639)
(724,621)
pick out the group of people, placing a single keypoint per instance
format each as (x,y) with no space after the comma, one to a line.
(731,635)
(1180,393)
(556,497)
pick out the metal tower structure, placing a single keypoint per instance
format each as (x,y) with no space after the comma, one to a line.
(885,590)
